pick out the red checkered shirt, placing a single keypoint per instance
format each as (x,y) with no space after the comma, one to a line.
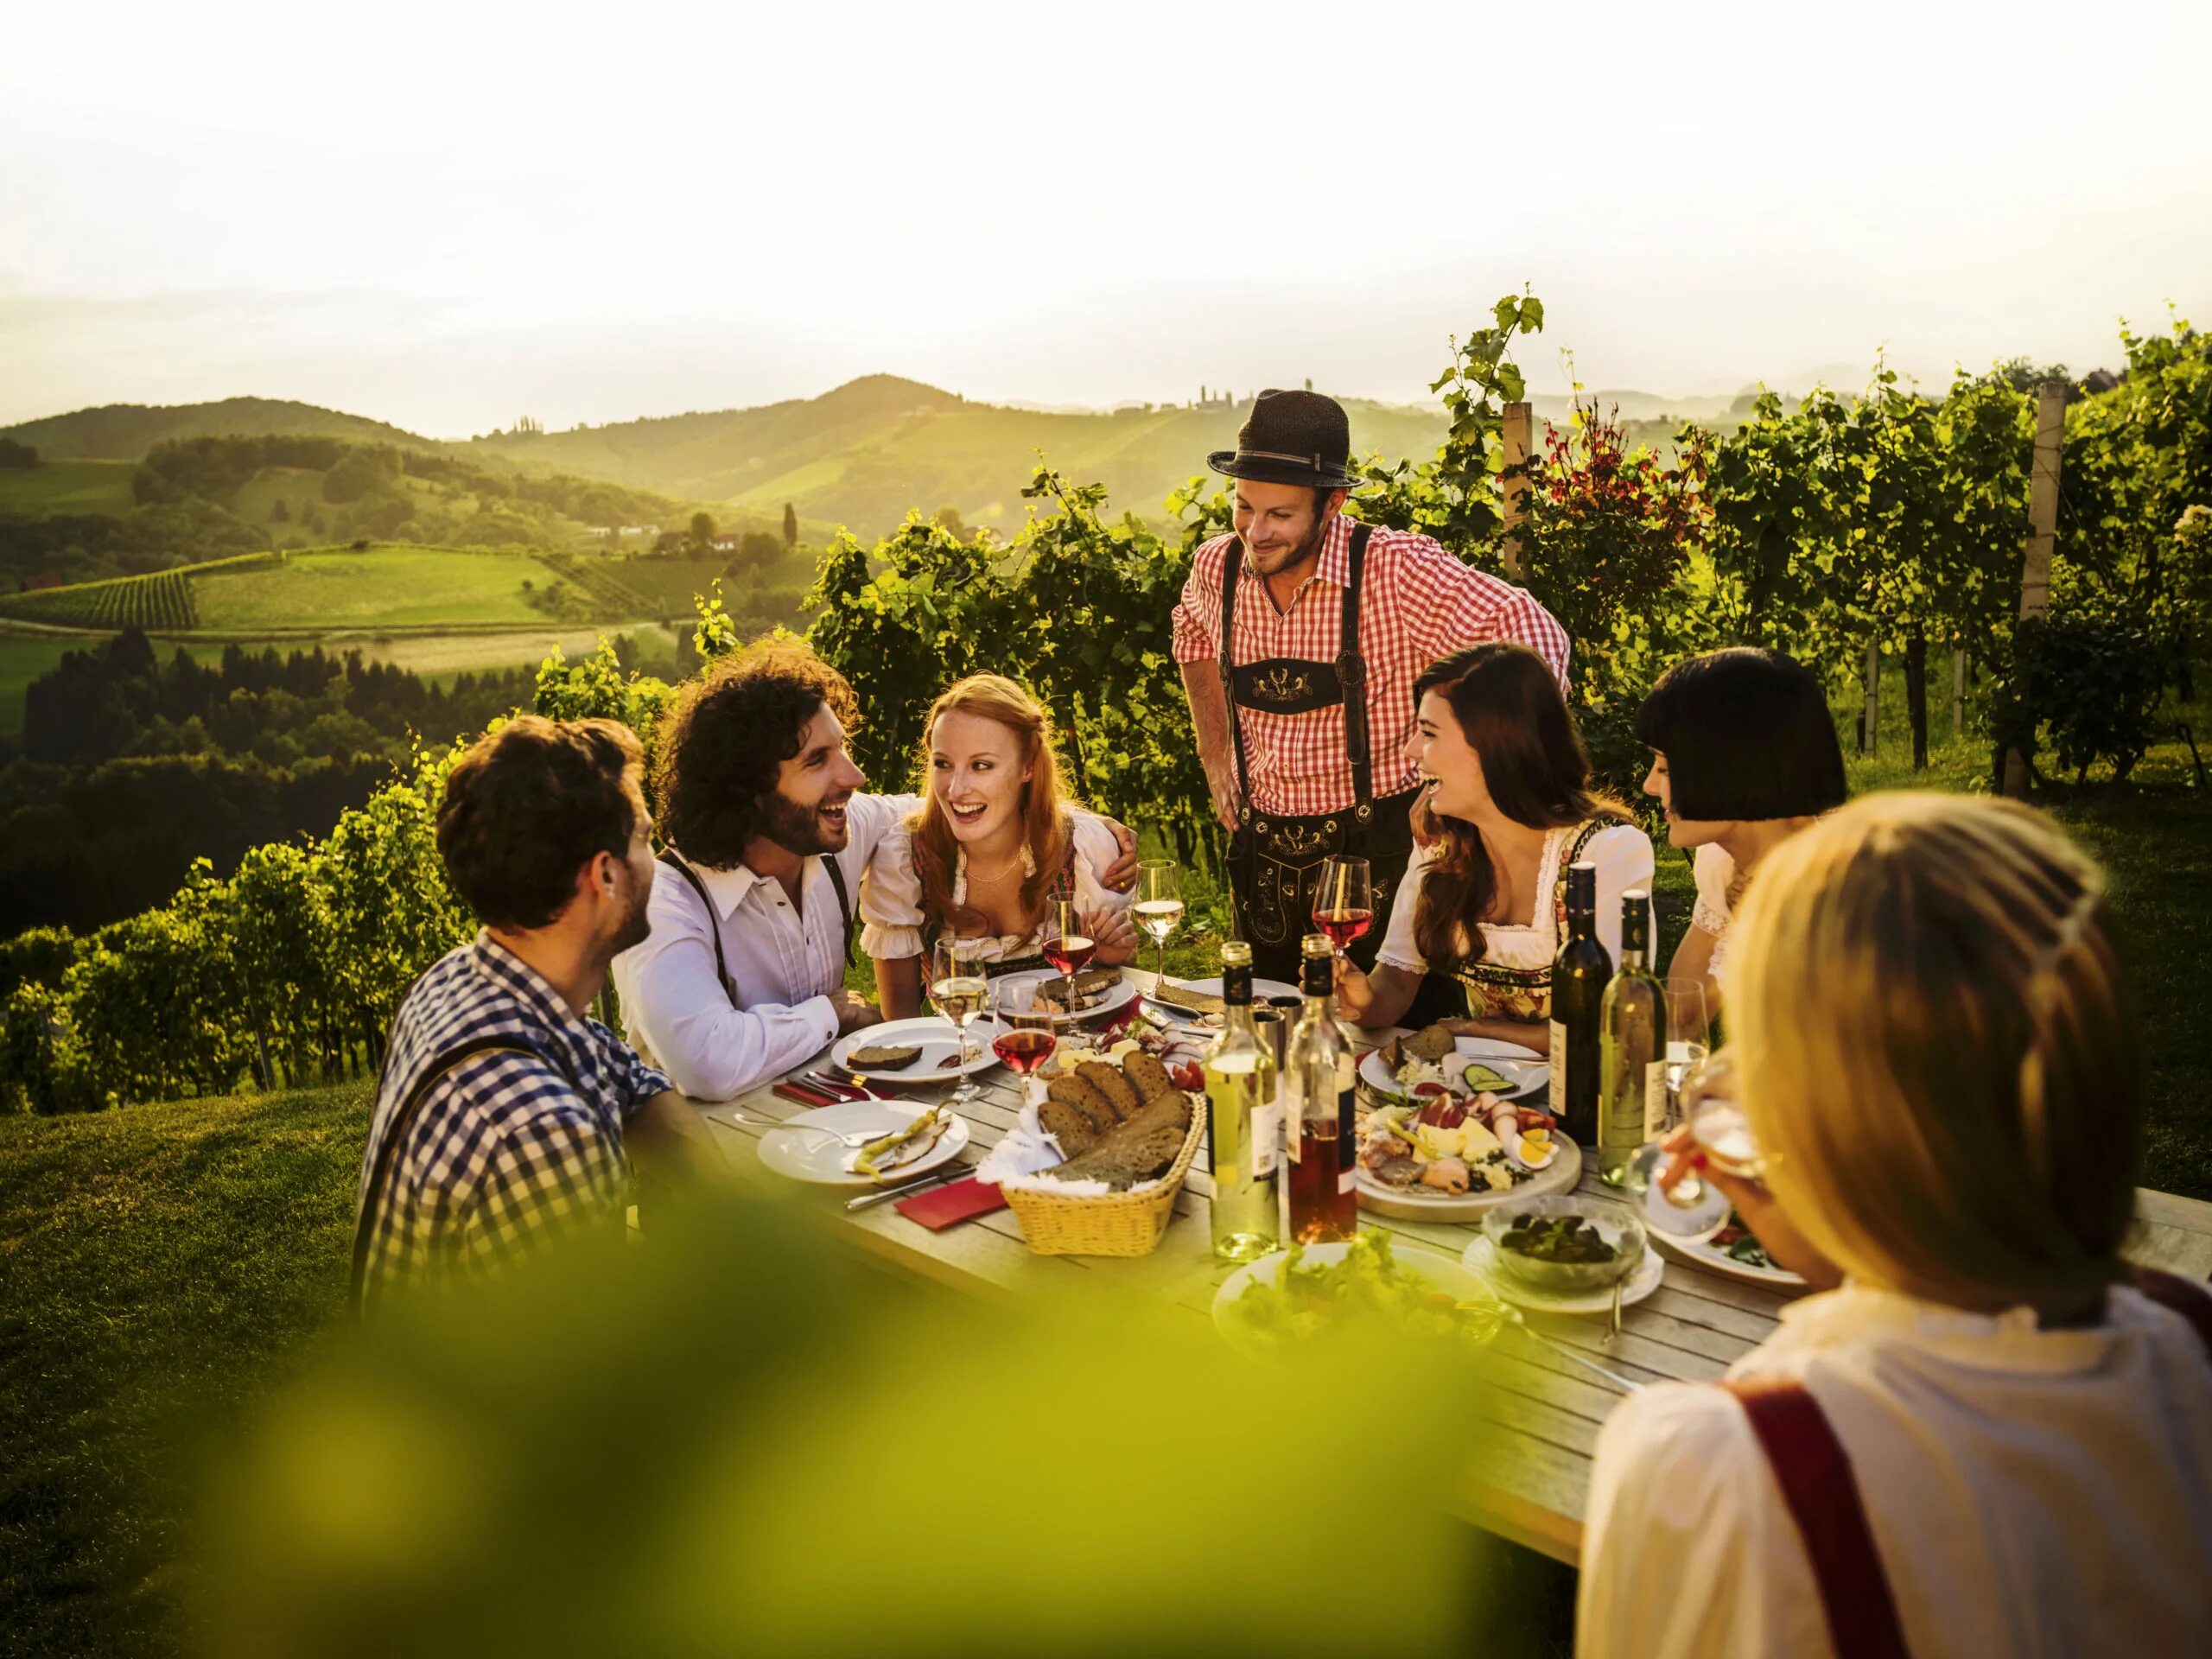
(1417,603)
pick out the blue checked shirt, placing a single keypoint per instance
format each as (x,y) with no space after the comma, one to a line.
(503,1154)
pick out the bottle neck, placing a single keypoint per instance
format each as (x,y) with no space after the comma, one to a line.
(1631,961)
(1581,923)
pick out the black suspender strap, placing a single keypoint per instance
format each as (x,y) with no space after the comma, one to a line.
(676,862)
(844,903)
(1232,562)
(403,1119)
(1351,678)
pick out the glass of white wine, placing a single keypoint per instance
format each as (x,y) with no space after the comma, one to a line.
(1693,1208)
(959,985)
(1688,1042)
(1158,907)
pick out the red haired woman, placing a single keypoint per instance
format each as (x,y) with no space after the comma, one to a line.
(994,841)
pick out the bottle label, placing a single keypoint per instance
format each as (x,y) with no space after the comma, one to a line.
(1558,1071)
(1654,1100)
(1266,1133)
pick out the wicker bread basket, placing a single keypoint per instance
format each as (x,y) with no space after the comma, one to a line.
(1118,1223)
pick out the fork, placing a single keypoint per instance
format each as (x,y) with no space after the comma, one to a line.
(853,1138)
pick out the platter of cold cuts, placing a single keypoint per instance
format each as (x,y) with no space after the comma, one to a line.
(1450,1148)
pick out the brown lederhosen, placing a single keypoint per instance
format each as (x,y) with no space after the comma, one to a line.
(1274,863)
(1821,1494)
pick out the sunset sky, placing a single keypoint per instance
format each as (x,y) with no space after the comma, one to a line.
(450,215)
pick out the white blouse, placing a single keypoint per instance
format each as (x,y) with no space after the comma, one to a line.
(891,897)
(2030,1491)
(1711,915)
(1623,856)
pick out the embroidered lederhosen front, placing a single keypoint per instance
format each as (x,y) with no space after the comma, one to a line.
(1496,992)
(1277,860)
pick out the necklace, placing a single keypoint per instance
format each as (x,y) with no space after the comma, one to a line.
(976,881)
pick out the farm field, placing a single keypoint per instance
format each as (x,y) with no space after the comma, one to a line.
(391,586)
(68,486)
(24,657)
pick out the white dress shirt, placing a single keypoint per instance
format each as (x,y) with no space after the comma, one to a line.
(2033,1493)
(784,963)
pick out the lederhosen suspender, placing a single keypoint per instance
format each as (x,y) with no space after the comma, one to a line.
(1284,687)
(676,862)
(403,1119)
(1821,1494)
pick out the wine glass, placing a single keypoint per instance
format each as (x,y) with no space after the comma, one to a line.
(957,987)
(1693,1208)
(1688,1041)
(1158,907)
(1343,901)
(1067,945)
(1025,1039)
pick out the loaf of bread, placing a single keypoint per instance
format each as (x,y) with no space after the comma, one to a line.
(1148,1076)
(1078,1092)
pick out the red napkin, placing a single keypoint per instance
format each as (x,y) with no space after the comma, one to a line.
(948,1206)
(805,1095)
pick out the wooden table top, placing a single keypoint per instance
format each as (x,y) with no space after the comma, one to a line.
(1546,1410)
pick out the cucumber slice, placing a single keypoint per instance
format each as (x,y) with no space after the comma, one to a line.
(1481,1080)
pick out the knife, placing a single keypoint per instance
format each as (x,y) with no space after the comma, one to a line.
(951,1172)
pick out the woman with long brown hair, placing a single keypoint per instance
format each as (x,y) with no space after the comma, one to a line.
(1506,782)
(995,841)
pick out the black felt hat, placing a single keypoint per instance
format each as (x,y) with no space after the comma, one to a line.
(1292,437)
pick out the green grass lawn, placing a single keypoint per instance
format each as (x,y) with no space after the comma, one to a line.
(69,486)
(156,1265)
(396,586)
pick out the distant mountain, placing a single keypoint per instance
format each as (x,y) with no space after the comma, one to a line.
(864,454)
(127,431)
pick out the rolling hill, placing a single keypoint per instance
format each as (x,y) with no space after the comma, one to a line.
(127,431)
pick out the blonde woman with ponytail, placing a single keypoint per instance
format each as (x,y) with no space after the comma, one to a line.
(995,839)
(1992,1437)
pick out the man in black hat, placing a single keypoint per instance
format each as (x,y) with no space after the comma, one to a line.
(1310,628)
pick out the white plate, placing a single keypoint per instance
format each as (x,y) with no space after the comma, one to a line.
(1703,1253)
(1119,995)
(818,1158)
(938,1041)
(1438,1269)
(1261,988)
(1480,1259)
(1524,1070)
(1410,1204)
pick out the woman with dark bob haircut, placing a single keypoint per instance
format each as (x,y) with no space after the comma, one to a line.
(1744,756)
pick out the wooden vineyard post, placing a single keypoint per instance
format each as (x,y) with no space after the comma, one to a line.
(1870,718)
(1519,444)
(2043,528)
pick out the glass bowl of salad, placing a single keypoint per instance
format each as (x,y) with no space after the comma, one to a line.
(1568,1245)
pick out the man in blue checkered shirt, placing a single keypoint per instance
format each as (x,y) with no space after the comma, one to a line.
(505,1116)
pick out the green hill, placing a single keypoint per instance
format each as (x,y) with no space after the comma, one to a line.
(64,486)
(127,431)
(864,453)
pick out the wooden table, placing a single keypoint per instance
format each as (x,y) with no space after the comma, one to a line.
(1547,1411)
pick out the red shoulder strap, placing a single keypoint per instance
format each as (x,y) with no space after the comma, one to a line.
(1814,1474)
(2186,1297)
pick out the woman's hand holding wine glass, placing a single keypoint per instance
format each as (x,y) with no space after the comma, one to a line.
(1344,902)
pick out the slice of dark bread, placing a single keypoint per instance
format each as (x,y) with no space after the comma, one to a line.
(1068,1126)
(1077,1092)
(1121,1094)
(1147,1076)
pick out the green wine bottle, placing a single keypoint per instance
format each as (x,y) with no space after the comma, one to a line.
(1579,977)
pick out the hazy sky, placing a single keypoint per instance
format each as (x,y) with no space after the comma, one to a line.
(449,215)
